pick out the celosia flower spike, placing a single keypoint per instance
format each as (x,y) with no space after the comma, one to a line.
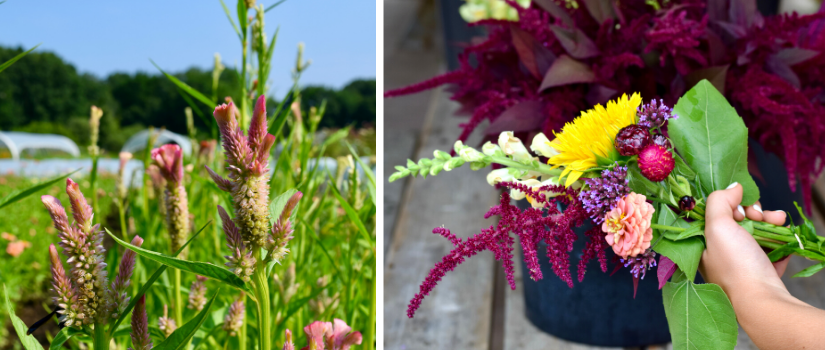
(288,344)
(340,337)
(282,230)
(197,294)
(233,321)
(315,333)
(241,262)
(167,325)
(81,210)
(65,293)
(140,326)
(123,280)
(169,159)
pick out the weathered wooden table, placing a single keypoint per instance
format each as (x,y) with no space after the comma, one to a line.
(472,308)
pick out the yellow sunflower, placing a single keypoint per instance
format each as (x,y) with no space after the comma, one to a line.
(591,135)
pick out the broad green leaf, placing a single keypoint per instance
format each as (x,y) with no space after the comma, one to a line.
(28,341)
(179,339)
(199,268)
(697,228)
(63,336)
(21,194)
(15,58)
(699,316)
(685,253)
(188,89)
(277,206)
(713,140)
(353,216)
(810,270)
(149,284)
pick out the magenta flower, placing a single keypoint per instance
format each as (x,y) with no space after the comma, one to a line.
(169,160)
(330,336)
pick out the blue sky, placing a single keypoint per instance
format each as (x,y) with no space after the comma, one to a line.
(102,37)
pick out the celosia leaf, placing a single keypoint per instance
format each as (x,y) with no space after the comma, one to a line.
(685,253)
(15,58)
(532,53)
(21,194)
(601,10)
(699,316)
(523,116)
(63,336)
(556,11)
(183,86)
(665,269)
(210,270)
(744,13)
(795,55)
(179,339)
(566,70)
(782,70)
(28,341)
(277,206)
(713,140)
(575,42)
(810,270)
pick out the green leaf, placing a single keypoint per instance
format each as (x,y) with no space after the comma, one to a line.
(685,253)
(242,20)
(183,86)
(274,5)
(21,194)
(277,206)
(699,316)
(15,58)
(63,336)
(682,168)
(28,341)
(697,228)
(199,268)
(232,21)
(353,216)
(713,139)
(179,339)
(810,270)
(367,171)
(143,289)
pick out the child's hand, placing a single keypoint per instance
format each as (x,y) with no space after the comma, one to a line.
(733,259)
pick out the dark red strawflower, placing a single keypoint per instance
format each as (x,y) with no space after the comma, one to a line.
(656,163)
(532,226)
(632,139)
(771,69)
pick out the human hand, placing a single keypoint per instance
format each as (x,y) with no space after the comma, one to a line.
(733,259)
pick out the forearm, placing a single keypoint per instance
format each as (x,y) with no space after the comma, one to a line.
(774,319)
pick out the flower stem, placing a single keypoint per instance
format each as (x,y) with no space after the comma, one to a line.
(121,211)
(178,299)
(94,183)
(263,303)
(101,341)
(242,336)
(667,228)
(542,168)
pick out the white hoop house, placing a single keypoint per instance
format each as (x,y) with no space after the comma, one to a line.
(138,141)
(16,142)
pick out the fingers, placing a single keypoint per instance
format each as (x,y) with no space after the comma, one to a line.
(724,204)
(774,217)
(754,212)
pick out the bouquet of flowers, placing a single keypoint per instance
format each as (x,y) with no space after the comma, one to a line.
(641,173)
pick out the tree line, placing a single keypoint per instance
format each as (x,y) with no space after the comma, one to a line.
(44,94)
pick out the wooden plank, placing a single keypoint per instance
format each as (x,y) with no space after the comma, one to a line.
(456,315)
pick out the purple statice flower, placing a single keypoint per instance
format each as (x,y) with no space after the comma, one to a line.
(654,115)
(532,226)
(604,192)
(140,326)
(169,160)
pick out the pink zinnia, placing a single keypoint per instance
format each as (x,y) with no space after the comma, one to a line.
(628,226)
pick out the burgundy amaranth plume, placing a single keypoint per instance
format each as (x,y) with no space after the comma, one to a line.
(531,226)
(247,158)
(169,161)
(85,294)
